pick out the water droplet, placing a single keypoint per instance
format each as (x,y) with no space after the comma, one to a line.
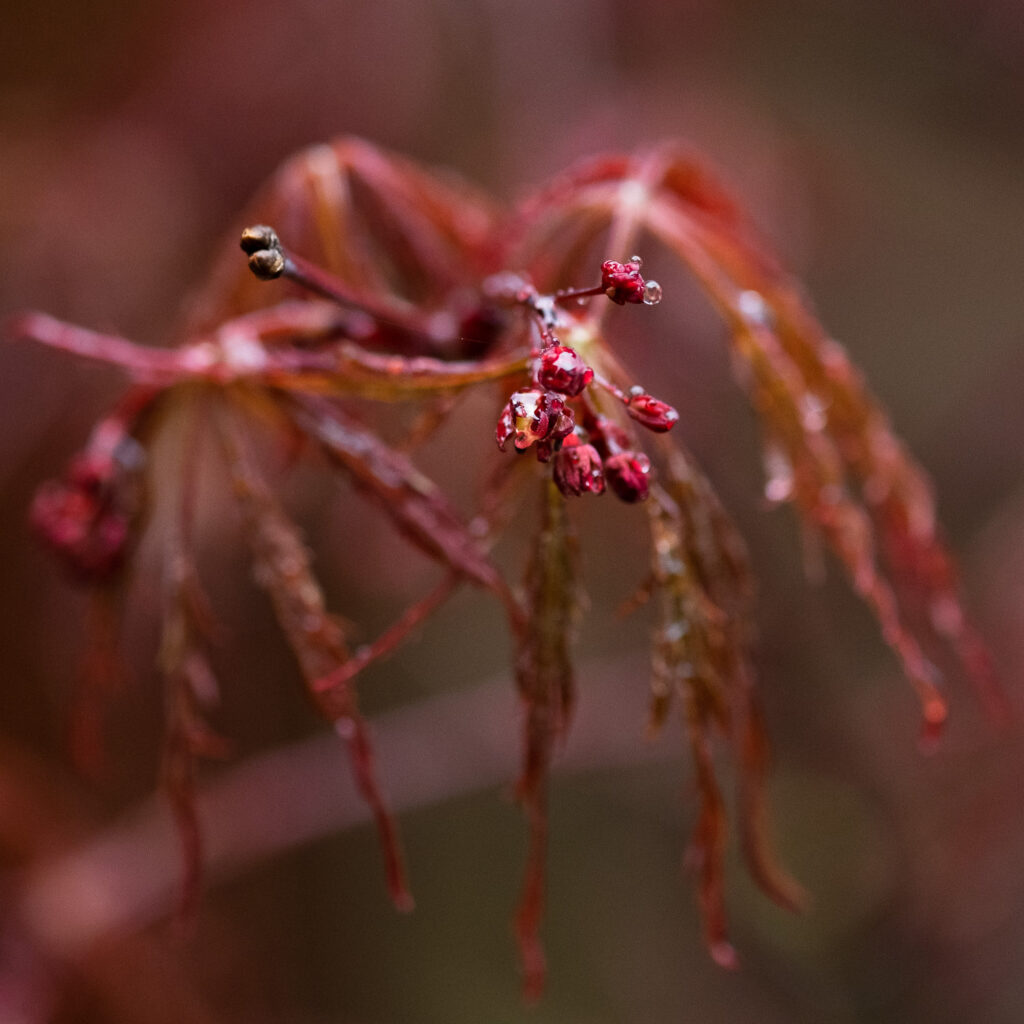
(345,728)
(544,306)
(813,413)
(130,454)
(652,293)
(724,954)
(636,259)
(752,305)
(778,486)
(777,489)
(675,631)
(672,566)
(633,194)
(636,391)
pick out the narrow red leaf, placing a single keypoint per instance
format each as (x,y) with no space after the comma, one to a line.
(282,567)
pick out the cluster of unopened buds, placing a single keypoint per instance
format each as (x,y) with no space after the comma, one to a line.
(86,517)
(558,416)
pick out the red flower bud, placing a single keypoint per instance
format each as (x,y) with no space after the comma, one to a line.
(534,415)
(81,521)
(622,282)
(562,370)
(577,468)
(652,413)
(627,474)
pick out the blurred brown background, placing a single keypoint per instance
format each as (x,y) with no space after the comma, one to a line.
(880,148)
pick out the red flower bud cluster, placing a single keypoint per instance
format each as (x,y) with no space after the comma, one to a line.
(622,282)
(84,519)
(626,471)
(539,414)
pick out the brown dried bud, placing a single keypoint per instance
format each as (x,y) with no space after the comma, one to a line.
(257,237)
(267,264)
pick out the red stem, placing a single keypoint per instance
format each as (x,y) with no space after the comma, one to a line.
(390,638)
(569,294)
(321,282)
(151,363)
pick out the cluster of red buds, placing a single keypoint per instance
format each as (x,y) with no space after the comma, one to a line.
(88,517)
(535,416)
(622,283)
(594,451)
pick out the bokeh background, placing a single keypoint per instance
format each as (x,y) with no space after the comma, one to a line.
(879,148)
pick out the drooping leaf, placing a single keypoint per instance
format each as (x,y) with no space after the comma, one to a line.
(414,503)
(544,678)
(281,564)
(702,653)
(190,686)
(852,478)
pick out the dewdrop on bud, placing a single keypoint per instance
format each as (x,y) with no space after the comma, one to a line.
(651,412)
(636,259)
(652,293)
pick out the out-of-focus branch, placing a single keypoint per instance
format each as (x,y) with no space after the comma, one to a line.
(443,747)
